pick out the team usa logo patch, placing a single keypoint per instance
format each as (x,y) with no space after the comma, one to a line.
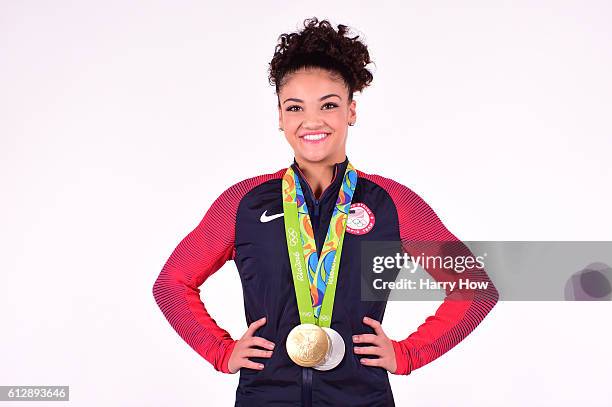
(360,219)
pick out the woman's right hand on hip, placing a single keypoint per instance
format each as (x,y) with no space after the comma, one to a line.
(244,349)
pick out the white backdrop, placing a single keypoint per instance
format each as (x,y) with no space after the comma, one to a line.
(121,122)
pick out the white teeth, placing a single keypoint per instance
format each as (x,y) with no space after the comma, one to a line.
(314,137)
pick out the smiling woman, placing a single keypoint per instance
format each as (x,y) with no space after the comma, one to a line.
(314,125)
(301,346)
(315,74)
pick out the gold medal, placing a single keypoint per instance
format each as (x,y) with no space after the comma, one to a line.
(307,344)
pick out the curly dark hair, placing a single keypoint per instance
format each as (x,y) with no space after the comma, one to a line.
(321,46)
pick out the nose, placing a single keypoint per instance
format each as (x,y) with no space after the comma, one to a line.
(312,120)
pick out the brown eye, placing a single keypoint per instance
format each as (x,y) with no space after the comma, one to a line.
(289,109)
(330,104)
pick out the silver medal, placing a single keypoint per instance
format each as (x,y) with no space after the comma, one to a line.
(336,351)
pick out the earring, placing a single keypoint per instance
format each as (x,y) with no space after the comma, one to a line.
(351,124)
(280,128)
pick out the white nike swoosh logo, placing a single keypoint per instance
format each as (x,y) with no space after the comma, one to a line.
(265,218)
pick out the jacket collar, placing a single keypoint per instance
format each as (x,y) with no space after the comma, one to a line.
(333,188)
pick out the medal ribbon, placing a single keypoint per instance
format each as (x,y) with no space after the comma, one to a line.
(322,272)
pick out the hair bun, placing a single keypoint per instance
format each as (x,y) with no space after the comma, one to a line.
(320,45)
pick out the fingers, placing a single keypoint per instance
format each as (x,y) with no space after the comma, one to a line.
(252,352)
(369,350)
(246,348)
(252,365)
(367,338)
(245,352)
(372,362)
(254,327)
(259,341)
(383,347)
(374,324)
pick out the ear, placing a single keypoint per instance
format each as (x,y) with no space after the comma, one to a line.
(352,116)
(280,117)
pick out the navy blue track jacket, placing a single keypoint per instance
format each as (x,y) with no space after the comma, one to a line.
(241,226)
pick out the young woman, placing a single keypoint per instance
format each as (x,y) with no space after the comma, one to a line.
(312,341)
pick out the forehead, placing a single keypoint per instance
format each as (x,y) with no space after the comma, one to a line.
(313,81)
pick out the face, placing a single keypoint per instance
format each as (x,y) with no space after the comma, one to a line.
(314,114)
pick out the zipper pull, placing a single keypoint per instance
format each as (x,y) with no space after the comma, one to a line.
(316,212)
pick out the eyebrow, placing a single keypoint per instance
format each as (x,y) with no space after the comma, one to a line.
(321,98)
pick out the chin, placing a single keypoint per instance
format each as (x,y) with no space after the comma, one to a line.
(315,156)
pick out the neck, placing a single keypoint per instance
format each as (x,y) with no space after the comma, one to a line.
(319,175)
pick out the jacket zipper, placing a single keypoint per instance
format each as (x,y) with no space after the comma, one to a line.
(307,386)
(307,371)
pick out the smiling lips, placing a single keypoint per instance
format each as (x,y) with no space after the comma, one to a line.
(314,137)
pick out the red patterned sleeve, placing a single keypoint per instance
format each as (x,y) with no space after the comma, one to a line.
(462,309)
(198,255)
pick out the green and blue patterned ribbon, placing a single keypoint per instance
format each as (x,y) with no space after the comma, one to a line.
(315,295)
